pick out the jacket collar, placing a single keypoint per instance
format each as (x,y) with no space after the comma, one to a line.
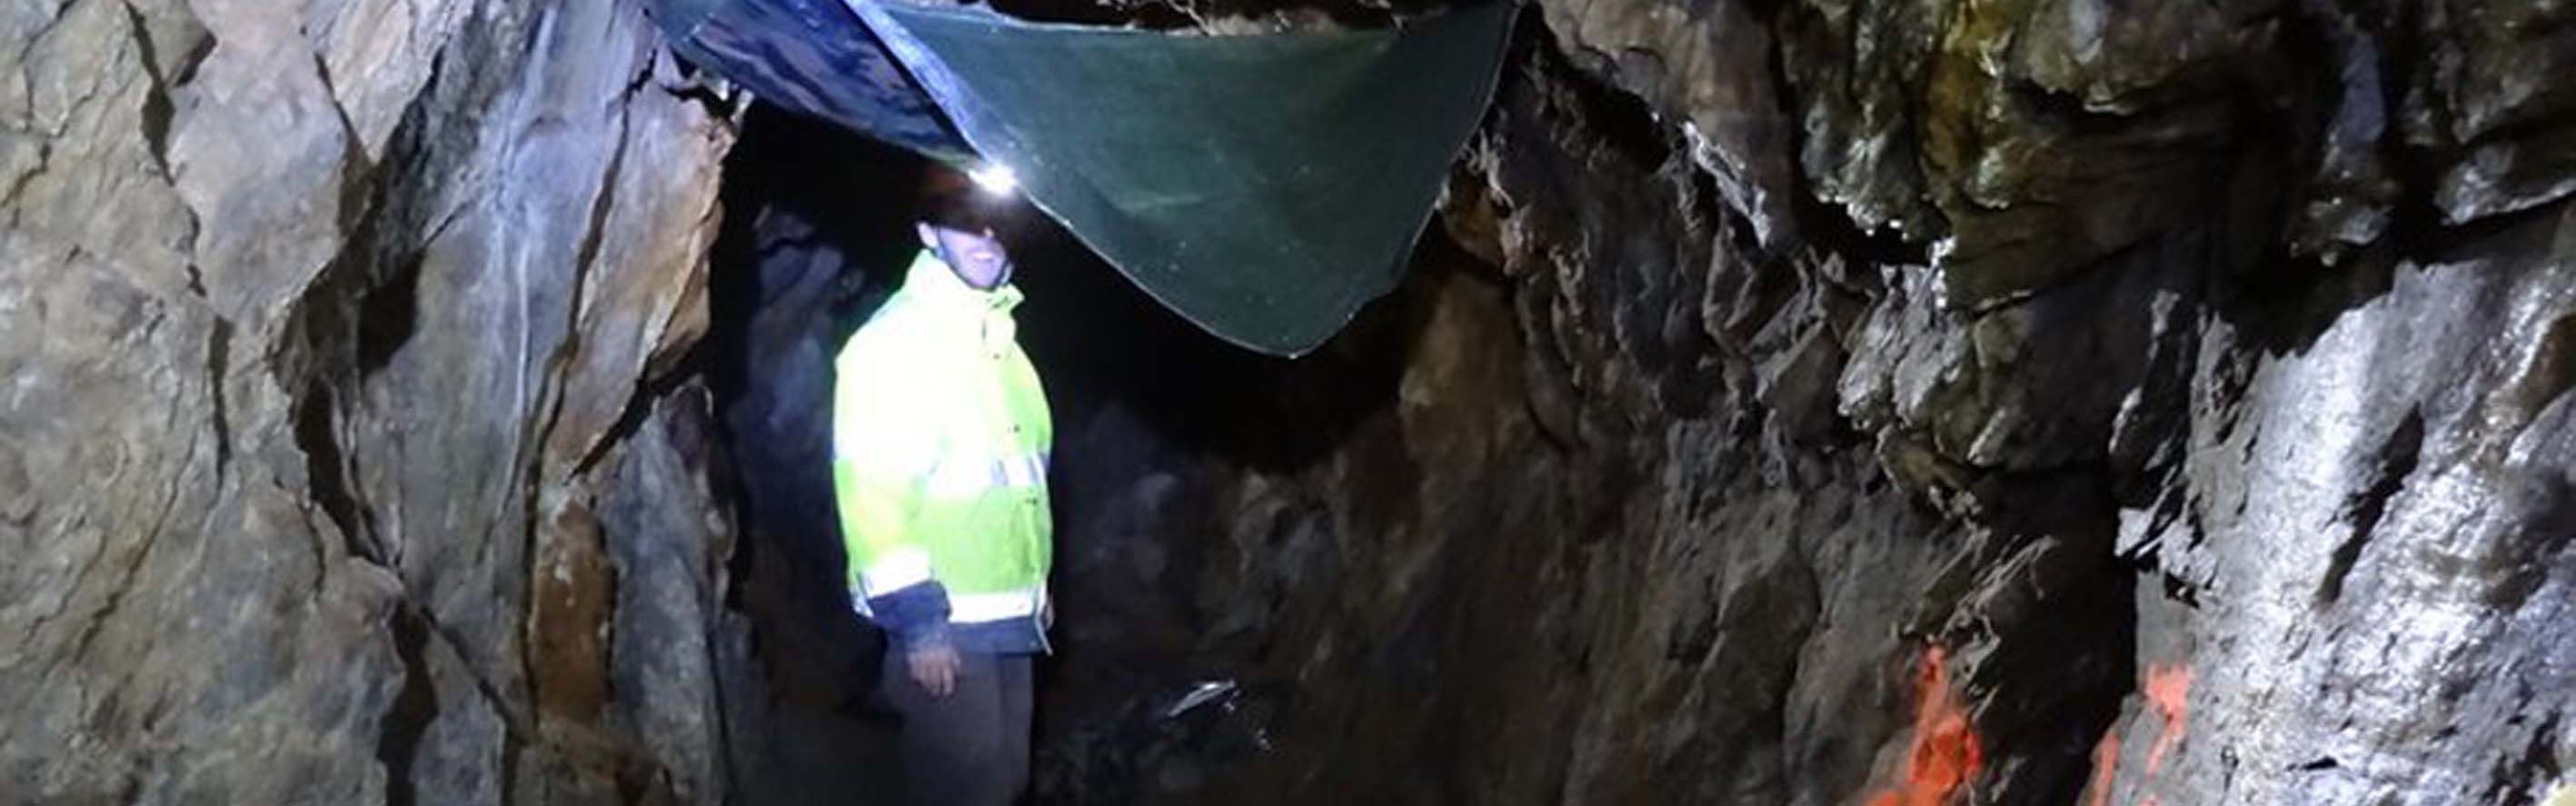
(930,280)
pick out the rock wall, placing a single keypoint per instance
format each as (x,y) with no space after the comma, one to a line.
(342,457)
(1912,403)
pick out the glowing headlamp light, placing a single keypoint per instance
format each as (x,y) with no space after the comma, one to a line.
(995,179)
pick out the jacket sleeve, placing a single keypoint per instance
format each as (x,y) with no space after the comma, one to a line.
(882,454)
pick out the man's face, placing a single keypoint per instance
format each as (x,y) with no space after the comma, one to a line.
(977,257)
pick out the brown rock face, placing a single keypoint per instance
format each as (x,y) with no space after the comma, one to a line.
(336,460)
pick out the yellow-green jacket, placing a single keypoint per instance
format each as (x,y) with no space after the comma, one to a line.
(940,435)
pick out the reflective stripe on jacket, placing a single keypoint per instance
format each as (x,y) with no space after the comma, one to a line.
(940,434)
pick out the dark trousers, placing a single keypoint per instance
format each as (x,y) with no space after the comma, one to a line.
(970,748)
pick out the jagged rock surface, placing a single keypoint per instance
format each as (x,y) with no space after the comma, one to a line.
(336,463)
(2215,353)
(1906,403)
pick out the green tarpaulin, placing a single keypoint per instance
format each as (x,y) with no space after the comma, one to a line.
(1265,187)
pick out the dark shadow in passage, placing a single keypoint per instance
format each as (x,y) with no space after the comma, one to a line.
(815,223)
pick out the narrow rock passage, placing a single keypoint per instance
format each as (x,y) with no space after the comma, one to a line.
(1791,402)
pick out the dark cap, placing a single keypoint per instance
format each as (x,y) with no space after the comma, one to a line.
(949,197)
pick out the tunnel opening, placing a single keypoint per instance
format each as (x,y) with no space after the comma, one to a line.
(1156,684)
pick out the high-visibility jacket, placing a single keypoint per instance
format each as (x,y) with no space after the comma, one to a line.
(940,435)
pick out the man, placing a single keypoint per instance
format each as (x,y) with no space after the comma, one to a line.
(939,456)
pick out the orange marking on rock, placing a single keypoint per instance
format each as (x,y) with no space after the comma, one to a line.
(1946,752)
(2167,688)
(2106,760)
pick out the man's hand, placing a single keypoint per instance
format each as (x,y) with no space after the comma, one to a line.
(934,668)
